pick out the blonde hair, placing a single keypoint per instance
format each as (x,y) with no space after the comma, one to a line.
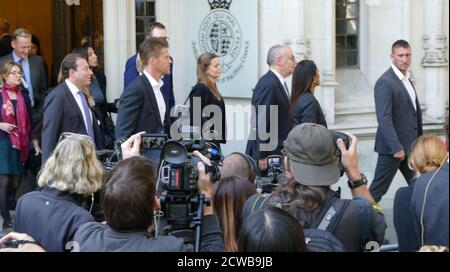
(73,167)
(428,154)
(203,62)
(433,249)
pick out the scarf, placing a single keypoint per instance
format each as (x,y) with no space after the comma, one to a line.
(19,136)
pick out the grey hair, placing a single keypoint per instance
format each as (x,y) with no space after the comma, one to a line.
(21,32)
(275,52)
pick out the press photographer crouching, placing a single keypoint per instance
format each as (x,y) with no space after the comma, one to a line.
(312,166)
(129,201)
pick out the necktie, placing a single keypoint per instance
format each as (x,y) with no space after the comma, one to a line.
(30,91)
(87,113)
(286,89)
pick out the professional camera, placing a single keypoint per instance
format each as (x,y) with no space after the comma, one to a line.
(275,168)
(346,139)
(181,202)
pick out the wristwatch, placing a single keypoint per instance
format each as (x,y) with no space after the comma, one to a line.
(358,183)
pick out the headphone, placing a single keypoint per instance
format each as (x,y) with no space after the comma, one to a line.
(422,212)
(250,163)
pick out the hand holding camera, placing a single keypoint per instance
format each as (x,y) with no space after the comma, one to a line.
(349,158)
(205,184)
(131,147)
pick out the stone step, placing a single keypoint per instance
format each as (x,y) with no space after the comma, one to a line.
(347,109)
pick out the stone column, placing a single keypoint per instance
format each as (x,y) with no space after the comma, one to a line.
(327,66)
(435,61)
(119,34)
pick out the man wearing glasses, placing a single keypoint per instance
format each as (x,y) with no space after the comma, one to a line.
(66,108)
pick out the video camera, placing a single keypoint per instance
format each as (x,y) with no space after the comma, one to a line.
(275,167)
(181,202)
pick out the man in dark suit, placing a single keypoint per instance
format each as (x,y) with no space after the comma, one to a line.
(5,38)
(142,106)
(399,120)
(35,75)
(271,90)
(66,108)
(155,30)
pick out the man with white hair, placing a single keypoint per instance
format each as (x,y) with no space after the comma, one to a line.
(271,90)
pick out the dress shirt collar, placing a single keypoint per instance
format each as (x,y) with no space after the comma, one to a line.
(280,77)
(154,82)
(73,89)
(399,74)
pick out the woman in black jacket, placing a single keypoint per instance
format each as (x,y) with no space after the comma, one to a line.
(304,107)
(205,91)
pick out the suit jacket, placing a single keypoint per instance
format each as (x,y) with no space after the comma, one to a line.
(269,91)
(5,45)
(138,110)
(131,73)
(38,75)
(62,114)
(399,124)
(308,110)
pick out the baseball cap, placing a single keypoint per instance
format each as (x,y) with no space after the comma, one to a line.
(310,149)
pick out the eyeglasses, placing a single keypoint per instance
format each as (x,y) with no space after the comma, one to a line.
(16,73)
(68,135)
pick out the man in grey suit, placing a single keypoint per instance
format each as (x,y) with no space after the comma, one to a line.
(399,120)
(35,74)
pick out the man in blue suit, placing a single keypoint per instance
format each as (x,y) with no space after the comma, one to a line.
(399,120)
(156,30)
(271,90)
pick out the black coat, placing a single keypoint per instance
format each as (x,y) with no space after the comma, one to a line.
(399,124)
(435,219)
(62,114)
(202,91)
(269,91)
(138,110)
(51,217)
(5,45)
(308,110)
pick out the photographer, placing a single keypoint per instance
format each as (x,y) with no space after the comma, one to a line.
(311,168)
(129,200)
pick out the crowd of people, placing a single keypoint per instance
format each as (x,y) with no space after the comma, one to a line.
(78,206)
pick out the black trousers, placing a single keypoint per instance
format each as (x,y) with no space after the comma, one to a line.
(385,171)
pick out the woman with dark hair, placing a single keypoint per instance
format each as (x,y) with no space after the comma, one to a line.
(15,131)
(304,107)
(208,72)
(228,198)
(97,94)
(271,230)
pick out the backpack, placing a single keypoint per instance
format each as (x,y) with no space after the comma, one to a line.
(319,236)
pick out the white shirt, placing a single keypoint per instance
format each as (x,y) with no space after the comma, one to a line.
(282,80)
(74,90)
(156,85)
(405,80)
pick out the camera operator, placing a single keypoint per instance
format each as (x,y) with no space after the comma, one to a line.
(311,168)
(129,200)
